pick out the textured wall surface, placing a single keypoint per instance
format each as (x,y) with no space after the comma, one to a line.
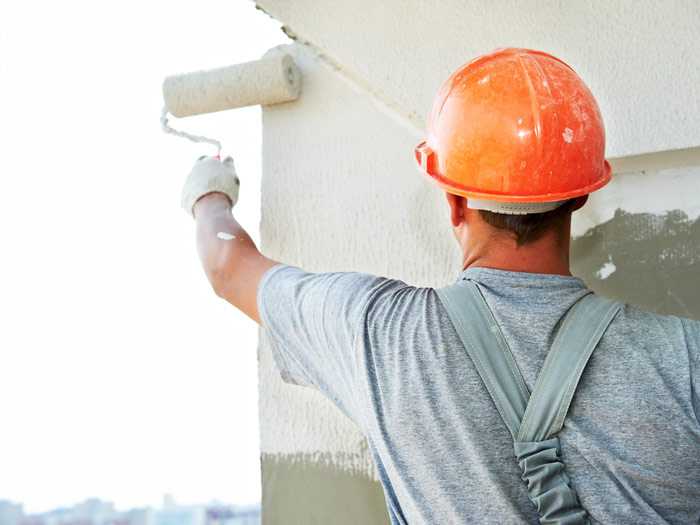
(639,57)
(341,192)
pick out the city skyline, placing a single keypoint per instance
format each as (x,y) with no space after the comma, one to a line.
(96,511)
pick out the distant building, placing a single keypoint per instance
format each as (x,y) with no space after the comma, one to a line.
(10,513)
(172,514)
(233,515)
(142,516)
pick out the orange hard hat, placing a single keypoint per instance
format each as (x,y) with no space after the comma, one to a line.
(515,126)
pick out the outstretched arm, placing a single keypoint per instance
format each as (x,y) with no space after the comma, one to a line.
(231,261)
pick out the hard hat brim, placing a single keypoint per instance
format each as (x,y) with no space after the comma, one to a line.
(452,187)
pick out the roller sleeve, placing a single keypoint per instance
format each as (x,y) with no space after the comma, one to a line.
(271,80)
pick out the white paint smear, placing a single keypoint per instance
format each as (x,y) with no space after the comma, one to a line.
(606,270)
(225,236)
(568,135)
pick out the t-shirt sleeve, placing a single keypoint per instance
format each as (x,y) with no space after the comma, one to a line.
(311,321)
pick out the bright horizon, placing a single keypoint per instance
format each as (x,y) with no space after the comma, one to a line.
(122,376)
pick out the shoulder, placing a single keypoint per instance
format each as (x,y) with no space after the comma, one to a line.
(635,315)
(399,308)
(292,279)
(393,295)
(649,329)
(357,293)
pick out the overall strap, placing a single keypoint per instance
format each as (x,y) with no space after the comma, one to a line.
(533,420)
(537,448)
(579,334)
(487,348)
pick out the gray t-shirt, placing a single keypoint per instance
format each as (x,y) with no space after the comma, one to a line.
(388,356)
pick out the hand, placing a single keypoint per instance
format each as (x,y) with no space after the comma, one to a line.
(210,175)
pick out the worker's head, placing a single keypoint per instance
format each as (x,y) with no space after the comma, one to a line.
(515,230)
(517,140)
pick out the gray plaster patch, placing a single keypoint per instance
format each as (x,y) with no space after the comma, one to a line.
(300,489)
(655,260)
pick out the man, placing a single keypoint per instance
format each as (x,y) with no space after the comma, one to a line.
(516,140)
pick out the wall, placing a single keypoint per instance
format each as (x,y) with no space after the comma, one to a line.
(341,192)
(639,57)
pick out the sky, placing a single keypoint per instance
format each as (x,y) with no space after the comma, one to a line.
(122,375)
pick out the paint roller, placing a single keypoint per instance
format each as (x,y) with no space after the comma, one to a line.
(271,80)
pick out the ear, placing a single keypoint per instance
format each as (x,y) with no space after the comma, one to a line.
(579,202)
(456,203)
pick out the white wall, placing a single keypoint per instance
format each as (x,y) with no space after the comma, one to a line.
(641,58)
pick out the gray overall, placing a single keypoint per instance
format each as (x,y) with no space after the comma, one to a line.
(534,420)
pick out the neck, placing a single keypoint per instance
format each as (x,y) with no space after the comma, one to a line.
(549,254)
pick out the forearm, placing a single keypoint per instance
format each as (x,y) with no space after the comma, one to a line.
(231,261)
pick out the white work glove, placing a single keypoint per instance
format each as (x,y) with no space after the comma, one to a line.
(210,175)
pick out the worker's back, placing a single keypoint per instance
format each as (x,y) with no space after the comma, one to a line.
(387,354)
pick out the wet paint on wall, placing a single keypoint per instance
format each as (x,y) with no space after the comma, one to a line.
(649,260)
(638,239)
